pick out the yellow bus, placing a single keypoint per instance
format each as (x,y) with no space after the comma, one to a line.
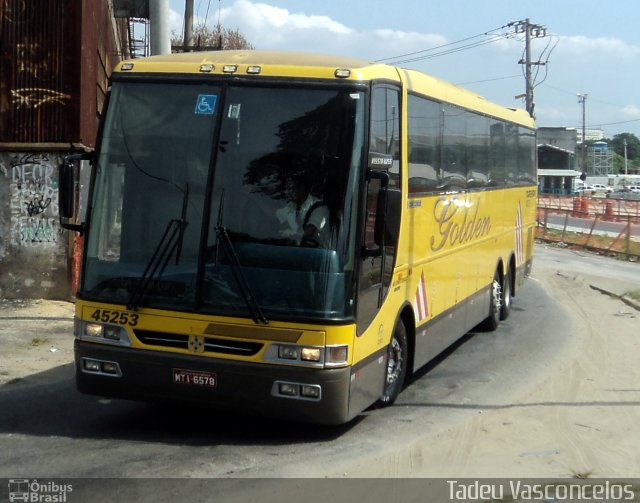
(292,235)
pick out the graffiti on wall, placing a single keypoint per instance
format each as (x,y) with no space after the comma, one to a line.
(33,97)
(33,188)
(37,64)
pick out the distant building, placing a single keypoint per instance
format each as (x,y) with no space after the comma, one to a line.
(557,172)
(590,134)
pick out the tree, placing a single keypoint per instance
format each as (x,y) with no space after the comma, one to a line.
(207,39)
(633,145)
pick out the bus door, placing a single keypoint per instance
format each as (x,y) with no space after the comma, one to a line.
(382,191)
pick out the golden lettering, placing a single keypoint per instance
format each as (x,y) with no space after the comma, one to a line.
(458,223)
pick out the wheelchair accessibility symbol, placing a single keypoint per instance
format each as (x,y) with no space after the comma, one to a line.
(206,104)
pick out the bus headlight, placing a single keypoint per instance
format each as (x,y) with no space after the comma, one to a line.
(93,329)
(99,332)
(312,356)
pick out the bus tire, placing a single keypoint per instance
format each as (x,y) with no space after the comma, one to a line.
(397,360)
(505,296)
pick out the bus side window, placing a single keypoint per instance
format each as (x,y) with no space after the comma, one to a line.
(385,128)
(423,135)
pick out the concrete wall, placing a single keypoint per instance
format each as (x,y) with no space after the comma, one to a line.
(564,138)
(33,246)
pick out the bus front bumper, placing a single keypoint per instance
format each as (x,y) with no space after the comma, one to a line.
(259,389)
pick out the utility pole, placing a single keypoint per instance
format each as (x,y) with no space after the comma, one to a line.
(582,99)
(626,171)
(530,31)
(159,27)
(188,26)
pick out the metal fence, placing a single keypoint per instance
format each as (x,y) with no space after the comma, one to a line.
(601,224)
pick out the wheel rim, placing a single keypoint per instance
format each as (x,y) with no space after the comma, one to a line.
(496,293)
(394,363)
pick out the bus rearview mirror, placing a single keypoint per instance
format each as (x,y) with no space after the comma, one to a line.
(67,189)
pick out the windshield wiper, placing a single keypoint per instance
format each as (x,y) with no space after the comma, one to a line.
(170,241)
(236,268)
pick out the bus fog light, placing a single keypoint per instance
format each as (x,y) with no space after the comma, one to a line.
(93,329)
(288,389)
(288,352)
(91,365)
(337,355)
(110,368)
(310,391)
(310,354)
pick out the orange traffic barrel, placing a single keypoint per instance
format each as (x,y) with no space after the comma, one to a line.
(584,206)
(608,210)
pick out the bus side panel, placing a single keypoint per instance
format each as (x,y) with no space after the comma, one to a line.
(523,270)
(367,382)
(454,244)
(437,335)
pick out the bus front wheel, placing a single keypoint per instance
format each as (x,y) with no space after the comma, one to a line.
(397,359)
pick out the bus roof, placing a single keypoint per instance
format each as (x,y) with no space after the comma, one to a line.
(271,63)
(450,93)
(319,66)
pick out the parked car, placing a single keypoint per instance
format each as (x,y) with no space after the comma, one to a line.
(589,189)
(601,187)
(633,188)
(624,193)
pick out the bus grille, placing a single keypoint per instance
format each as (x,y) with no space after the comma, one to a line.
(211,344)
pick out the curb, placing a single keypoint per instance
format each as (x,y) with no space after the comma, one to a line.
(627,300)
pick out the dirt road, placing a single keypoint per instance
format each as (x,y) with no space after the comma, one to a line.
(580,419)
(577,414)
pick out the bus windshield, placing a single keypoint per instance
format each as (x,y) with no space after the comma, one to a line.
(234,200)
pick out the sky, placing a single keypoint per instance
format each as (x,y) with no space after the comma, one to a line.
(589,49)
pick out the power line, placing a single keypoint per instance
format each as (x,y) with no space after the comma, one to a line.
(451,51)
(591,98)
(427,50)
(399,58)
(206,16)
(614,123)
(506,77)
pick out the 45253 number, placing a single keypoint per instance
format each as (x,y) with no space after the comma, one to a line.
(121,318)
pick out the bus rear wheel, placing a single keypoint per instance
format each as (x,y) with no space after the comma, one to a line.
(397,358)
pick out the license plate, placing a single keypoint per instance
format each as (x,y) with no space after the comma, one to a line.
(195,378)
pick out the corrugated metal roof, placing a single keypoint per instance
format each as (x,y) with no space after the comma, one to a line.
(36,102)
(557,149)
